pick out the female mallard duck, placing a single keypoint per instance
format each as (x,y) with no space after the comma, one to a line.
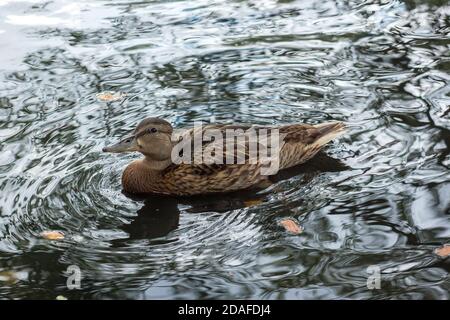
(159,173)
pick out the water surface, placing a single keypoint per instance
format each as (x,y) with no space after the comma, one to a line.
(381,197)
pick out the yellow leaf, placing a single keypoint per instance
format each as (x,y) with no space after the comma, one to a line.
(443,251)
(61,298)
(52,235)
(252,202)
(291,226)
(8,276)
(108,96)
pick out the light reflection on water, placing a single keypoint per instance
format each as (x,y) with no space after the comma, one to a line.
(380,66)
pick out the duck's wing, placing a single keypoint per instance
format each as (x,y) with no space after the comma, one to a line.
(211,165)
(208,165)
(219,144)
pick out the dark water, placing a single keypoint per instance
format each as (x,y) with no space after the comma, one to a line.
(382,198)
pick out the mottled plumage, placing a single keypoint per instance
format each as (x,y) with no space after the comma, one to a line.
(156,172)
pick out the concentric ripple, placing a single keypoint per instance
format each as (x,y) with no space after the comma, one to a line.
(379,197)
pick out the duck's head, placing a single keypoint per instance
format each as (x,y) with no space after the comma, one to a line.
(152,138)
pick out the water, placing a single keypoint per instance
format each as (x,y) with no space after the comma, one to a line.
(381,197)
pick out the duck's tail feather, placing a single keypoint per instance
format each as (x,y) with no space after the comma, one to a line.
(328,131)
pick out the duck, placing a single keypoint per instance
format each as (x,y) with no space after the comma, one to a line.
(170,167)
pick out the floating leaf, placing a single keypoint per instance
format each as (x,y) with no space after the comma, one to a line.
(252,202)
(8,276)
(61,298)
(443,251)
(11,277)
(108,96)
(52,235)
(291,226)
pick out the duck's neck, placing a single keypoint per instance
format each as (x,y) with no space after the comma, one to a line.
(155,165)
(142,176)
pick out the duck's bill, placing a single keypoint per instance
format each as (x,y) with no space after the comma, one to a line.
(126,145)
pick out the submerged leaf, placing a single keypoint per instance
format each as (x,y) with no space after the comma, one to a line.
(108,96)
(443,251)
(291,226)
(52,235)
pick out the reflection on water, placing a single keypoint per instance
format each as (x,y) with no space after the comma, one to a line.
(380,197)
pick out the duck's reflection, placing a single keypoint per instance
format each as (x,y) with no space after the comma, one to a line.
(160,214)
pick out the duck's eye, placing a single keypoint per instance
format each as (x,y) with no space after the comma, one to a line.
(152,130)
